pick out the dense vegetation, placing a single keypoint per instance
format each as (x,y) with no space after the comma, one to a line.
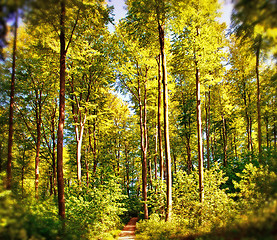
(170,117)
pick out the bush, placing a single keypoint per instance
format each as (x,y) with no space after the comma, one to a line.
(217,208)
(92,212)
(257,186)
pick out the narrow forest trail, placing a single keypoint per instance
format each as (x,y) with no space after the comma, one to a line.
(128,232)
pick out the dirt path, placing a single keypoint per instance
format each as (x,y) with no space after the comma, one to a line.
(128,232)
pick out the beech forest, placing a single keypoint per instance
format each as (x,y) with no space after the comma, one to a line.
(166,116)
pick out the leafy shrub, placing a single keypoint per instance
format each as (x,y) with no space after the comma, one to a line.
(95,211)
(155,228)
(189,215)
(257,185)
(217,207)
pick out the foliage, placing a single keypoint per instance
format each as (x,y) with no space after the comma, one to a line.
(257,186)
(94,211)
(191,216)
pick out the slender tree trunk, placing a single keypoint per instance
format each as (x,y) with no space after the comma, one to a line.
(166,126)
(10,141)
(213,146)
(127,171)
(224,136)
(246,116)
(235,143)
(144,153)
(53,150)
(199,133)
(267,133)
(22,173)
(94,145)
(275,133)
(87,171)
(188,153)
(39,122)
(259,97)
(174,163)
(94,148)
(208,128)
(156,153)
(79,139)
(159,118)
(61,199)
(118,157)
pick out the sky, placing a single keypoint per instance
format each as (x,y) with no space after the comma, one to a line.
(120,11)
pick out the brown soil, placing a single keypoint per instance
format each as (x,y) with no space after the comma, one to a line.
(128,232)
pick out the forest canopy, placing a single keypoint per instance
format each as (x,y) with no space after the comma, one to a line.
(170,117)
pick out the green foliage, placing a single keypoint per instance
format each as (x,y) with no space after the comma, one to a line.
(189,215)
(157,198)
(94,212)
(217,207)
(257,185)
(28,218)
(155,228)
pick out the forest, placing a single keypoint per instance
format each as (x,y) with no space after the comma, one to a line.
(170,117)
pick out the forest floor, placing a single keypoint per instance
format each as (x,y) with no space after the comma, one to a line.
(128,232)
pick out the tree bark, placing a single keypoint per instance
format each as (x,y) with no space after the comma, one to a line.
(188,153)
(275,133)
(259,97)
(159,118)
(94,146)
(53,149)
(267,133)
(61,199)
(10,141)
(224,136)
(127,170)
(156,153)
(39,122)
(199,135)
(199,130)
(144,150)
(166,126)
(208,127)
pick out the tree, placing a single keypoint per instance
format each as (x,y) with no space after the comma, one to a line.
(10,141)
(196,34)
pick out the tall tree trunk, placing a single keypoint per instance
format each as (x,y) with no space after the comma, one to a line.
(79,139)
(166,126)
(61,199)
(199,135)
(10,141)
(159,118)
(207,107)
(267,133)
(22,173)
(188,153)
(224,136)
(144,152)
(156,153)
(118,157)
(53,150)
(94,148)
(259,96)
(199,130)
(39,122)
(246,116)
(275,133)
(235,143)
(127,170)
(87,171)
